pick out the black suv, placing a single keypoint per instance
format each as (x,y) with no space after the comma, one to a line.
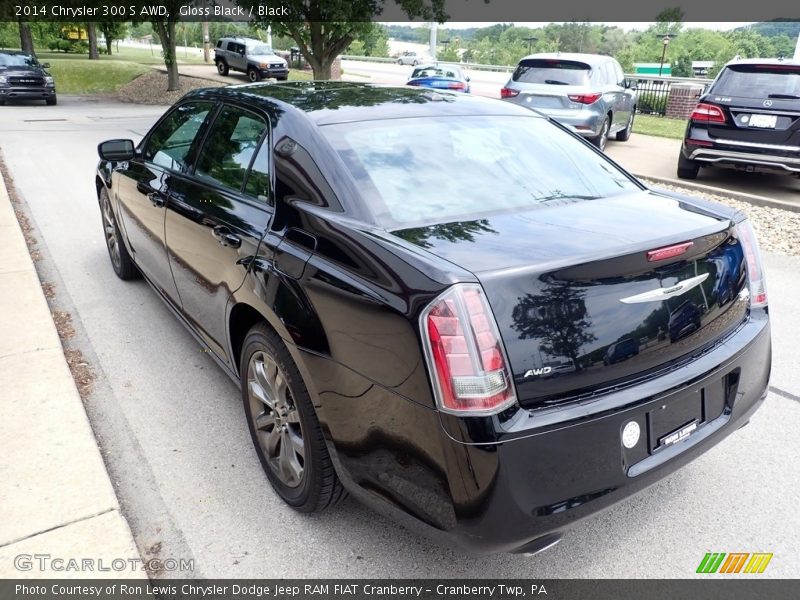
(749,119)
(24,77)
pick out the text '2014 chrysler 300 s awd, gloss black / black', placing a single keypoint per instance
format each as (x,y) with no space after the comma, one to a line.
(452,308)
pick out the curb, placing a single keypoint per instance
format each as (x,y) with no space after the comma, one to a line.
(58,500)
(742,196)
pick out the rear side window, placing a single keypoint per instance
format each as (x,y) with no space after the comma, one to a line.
(230,147)
(552,71)
(759,81)
(442,169)
(170,142)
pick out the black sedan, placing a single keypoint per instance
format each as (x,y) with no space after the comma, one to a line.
(390,275)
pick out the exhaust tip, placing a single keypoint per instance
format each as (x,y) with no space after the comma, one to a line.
(539,544)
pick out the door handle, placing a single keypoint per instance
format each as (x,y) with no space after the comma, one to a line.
(156,199)
(225,237)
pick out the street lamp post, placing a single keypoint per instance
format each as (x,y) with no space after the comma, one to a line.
(665,40)
(445,43)
(530,41)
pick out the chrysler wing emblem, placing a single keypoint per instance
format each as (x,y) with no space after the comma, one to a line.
(667,292)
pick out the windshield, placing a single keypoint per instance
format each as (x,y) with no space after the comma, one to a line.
(17,60)
(261,50)
(440,169)
(436,72)
(760,81)
(552,71)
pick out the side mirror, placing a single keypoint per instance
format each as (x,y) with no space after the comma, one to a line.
(630,84)
(116,150)
(45,65)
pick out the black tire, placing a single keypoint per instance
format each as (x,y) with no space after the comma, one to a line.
(253,74)
(625,134)
(415,63)
(2,102)
(52,101)
(687,168)
(290,413)
(601,140)
(121,261)
(222,68)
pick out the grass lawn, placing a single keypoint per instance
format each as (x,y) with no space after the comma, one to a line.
(659,126)
(90,77)
(297,75)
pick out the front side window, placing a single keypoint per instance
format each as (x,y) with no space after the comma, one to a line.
(441,169)
(230,147)
(169,143)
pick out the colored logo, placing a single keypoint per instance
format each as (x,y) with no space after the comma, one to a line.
(734,562)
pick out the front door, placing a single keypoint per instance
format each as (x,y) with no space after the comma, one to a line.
(217,217)
(142,192)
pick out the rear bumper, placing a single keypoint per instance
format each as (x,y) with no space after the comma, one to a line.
(587,123)
(740,154)
(489,485)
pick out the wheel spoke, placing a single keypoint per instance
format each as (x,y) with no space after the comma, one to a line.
(289,465)
(296,443)
(273,438)
(279,387)
(265,421)
(292,416)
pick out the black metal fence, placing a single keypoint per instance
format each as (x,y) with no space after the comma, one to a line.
(654,92)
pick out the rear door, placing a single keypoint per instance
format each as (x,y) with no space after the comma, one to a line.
(761,104)
(217,217)
(548,83)
(141,187)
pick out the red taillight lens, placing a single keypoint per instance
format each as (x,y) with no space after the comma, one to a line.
(708,113)
(585,98)
(508,93)
(469,371)
(456,85)
(755,272)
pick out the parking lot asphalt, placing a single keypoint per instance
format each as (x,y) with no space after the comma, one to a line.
(172,430)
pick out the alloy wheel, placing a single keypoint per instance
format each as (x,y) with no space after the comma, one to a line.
(276,419)
(604,135)
(110,229)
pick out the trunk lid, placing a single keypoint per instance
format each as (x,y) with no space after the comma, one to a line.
(578,304)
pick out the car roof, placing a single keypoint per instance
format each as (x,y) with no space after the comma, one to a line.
(763,61)
(589,59)
(328,102)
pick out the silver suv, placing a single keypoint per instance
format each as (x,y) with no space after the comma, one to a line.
(588,92)
(250,56)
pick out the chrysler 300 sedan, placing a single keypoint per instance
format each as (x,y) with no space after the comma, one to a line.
(395,278)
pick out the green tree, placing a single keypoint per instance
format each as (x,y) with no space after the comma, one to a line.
(113,30)
(323,29)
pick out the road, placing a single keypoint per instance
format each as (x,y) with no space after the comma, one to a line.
(171,426)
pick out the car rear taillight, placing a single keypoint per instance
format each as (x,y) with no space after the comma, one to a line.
(755,271)
(708,113)
(456,85)
(508,93)
(585,98)
(469,371)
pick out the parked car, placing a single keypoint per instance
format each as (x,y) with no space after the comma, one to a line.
(381,310)
(22,77)
(411,57)
(749,119)
(440,77)
(684,320)
(250,56)
(622,350)
(586,91)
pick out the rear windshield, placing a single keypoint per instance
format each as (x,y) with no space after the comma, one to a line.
(552,71)
(759,81)
(435,72)
(441,169)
